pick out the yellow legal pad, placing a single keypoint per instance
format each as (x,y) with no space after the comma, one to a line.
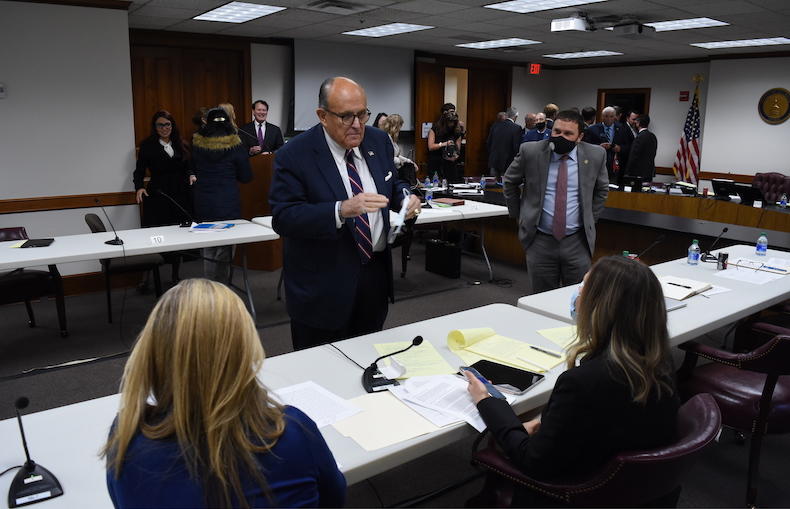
(485,343)
(560,336)
(422,360)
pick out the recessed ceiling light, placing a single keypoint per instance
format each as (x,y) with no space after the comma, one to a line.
(743,42)
(238,12)
(522,6)
(583,54)
(390,29)
(686,24)
(499,43)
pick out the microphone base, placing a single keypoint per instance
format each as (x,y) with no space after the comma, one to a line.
(41,485)
(374,381)
(114,242)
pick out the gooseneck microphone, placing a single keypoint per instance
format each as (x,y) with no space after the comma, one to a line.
(33,483)
(191,219)
(706,256)
(373,380)
(117,240)
(656,242)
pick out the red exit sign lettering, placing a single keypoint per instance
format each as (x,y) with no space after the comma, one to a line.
(534,68)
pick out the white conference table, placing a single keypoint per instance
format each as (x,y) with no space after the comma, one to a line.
(702,314)
(67,440)
(138,241)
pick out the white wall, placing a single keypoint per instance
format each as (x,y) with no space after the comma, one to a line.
(67,123)
(531,92)
(271,80)
(735,139)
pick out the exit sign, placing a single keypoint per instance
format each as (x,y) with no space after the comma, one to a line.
(534,68)
(684,95)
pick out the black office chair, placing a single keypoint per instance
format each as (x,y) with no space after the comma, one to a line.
(23,285)
(139,263)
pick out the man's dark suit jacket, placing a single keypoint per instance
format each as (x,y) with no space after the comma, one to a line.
(321,263)
(590,417)
(591,135)
(272,138)
(504,139)
(622,137)
(642,159)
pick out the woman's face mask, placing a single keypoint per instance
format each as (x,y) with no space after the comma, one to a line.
(574,298)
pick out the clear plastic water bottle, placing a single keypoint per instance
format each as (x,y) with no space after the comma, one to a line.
(435,179)
(427,183)
(783,201)
(444,183)
(428,195)
(694,252)
(762,245)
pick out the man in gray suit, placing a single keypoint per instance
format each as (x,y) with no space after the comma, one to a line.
(565,184)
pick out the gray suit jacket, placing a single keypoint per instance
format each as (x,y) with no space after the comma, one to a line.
(531,168)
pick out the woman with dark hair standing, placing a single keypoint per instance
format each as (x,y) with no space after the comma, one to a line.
(379,121)
(220,162)
(196,428)
(444,145)
(620,397)
(164,155)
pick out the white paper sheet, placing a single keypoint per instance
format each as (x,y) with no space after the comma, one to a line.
(757,277)
(319,404)
(715,290)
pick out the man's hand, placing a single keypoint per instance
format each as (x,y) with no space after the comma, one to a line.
(192,179)
(255,150)
(363,203)
(532,426)
(616,148)
(476,388)
(413,209)
(140,193)
(606,145)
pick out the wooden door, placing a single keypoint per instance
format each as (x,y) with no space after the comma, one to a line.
(428,100)
(157,84)
(489,93)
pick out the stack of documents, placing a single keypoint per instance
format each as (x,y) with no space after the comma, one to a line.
(472,345)
(679,288)
(773,265)
(319,404)
(422,360)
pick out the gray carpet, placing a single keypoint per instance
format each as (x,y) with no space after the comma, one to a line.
(718,480)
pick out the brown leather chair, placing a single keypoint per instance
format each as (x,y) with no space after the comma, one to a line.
(139,263)
(772,185)
(23,285)
(751,389)
(649,478)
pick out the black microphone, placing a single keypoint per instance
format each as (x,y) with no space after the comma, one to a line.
(658,240)
(706,256)
(373,380)
(33,482)
(116,241)
(182,209)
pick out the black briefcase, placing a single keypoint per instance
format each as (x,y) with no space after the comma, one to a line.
(444,258)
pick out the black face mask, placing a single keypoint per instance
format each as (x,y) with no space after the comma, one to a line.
(562,145)
(540,126)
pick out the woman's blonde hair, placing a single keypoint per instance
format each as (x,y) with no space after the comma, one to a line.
(192,376)
(622,316)
(391,125)
(231,111)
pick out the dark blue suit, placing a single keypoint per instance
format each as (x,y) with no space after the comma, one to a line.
(321,264)
(534,135)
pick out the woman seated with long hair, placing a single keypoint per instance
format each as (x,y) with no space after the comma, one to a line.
(197,429)
(620,397)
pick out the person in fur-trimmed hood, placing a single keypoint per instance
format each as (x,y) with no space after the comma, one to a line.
(220,161)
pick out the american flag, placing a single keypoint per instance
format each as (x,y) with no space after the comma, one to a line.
(686,165)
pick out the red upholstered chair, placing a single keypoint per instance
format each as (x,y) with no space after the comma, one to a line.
(23,285)
(772,185)
(751,389)
(649,478)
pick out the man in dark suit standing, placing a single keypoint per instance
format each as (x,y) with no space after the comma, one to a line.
(331,191)
(642,160)
(590,132)
(260,136)
(615,140)
(503,141)
(564,190)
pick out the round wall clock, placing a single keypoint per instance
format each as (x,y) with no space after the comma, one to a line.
(774,106)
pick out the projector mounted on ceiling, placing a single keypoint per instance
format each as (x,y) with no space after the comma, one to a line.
(633,30)
(578,22)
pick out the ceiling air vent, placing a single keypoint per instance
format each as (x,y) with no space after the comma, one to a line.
(336,7)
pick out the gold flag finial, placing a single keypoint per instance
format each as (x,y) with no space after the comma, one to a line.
(698,78)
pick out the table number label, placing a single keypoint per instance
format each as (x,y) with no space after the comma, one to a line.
(157,240)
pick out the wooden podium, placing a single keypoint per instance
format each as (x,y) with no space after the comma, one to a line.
(255,203)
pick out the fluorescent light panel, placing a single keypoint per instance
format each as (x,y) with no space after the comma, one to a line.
(583,54)
(238,12)
(742,43)
(686,24)
(523,6)
(390,29)
(498,43)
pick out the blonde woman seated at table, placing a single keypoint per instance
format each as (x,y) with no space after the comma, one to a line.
(197,429)
(620,397)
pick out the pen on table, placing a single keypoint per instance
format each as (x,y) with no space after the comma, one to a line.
(547,352)
(677,284)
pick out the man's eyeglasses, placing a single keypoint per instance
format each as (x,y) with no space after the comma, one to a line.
(348,118)
(163,125)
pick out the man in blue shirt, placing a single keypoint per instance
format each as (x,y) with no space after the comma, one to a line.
(541,131)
